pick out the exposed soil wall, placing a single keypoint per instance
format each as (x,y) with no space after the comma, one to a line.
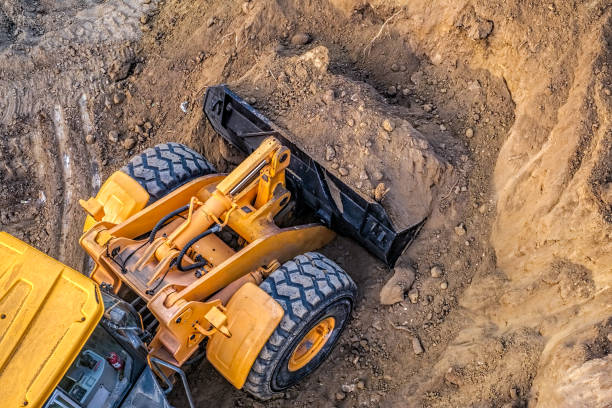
(489,119)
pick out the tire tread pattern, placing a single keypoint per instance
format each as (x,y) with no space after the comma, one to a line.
(164,167)
(299,286)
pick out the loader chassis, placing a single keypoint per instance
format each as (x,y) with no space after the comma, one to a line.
(189,303)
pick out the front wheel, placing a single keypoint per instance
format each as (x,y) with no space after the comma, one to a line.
(317,297)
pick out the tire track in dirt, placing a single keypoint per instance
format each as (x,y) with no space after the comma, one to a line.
(47,92)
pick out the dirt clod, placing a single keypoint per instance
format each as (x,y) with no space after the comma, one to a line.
(301,39)
(113,136)
(90,138)
(436,272)
(416,345)
(413,295)
(388,125)
(380,192)
(330,153)
(118,97)
(129,143)
(460,230)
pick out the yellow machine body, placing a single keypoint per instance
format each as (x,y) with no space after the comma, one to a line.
(193,306)
(47,313)
(119,198)
(252,315)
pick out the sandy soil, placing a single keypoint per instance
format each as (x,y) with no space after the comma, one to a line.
(500,136)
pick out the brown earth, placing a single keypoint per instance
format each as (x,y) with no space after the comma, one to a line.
(501,136)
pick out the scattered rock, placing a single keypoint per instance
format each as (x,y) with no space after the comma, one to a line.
(376,324)
(340,396)
(330,153)
(443,285)
(210,22)
(610,337)
(397,285)
(300,39)
(144,19)
(442,128)
(416,345)
(118,97)
(360,385)
(113,136)
(335,165)
(469,132)
(427,107)
(343,171)
(377,175)
(90,139)
(120,70)
(413,295)
(380,191)
(147,125)
(405,91)
(387,125)
(480,29)
(394,67)
(607,91)
(392,91)
(383,134)
(329,96)
(460,229)
(348,388)
(363,175)
(482,209)
(251,100)
(129,143)
(452,377)
(350,122)
(146,1)
(436,272)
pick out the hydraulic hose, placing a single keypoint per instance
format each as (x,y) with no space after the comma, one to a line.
(179,259)
(162,222)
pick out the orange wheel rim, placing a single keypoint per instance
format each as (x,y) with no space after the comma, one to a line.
(311,344)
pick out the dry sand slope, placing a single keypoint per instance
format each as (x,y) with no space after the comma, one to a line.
(490,119)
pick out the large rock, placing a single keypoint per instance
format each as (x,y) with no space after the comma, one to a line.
(395,288)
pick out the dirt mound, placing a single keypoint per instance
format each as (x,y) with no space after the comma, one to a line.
(351,129)
(490,119)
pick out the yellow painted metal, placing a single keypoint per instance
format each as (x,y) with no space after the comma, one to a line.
(311,344)
(252,316)
(281,246)
(244,202)
(47,313)
(119,198)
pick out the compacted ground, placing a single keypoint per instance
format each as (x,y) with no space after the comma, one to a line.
(489,120)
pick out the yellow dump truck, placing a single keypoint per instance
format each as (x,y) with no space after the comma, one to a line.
(188,263)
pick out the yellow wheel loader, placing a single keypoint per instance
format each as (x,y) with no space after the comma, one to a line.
(189,263)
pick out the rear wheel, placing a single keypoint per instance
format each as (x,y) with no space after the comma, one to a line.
(165,167)
(317,296)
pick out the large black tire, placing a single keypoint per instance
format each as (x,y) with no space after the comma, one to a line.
(163,168)
(310,288)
